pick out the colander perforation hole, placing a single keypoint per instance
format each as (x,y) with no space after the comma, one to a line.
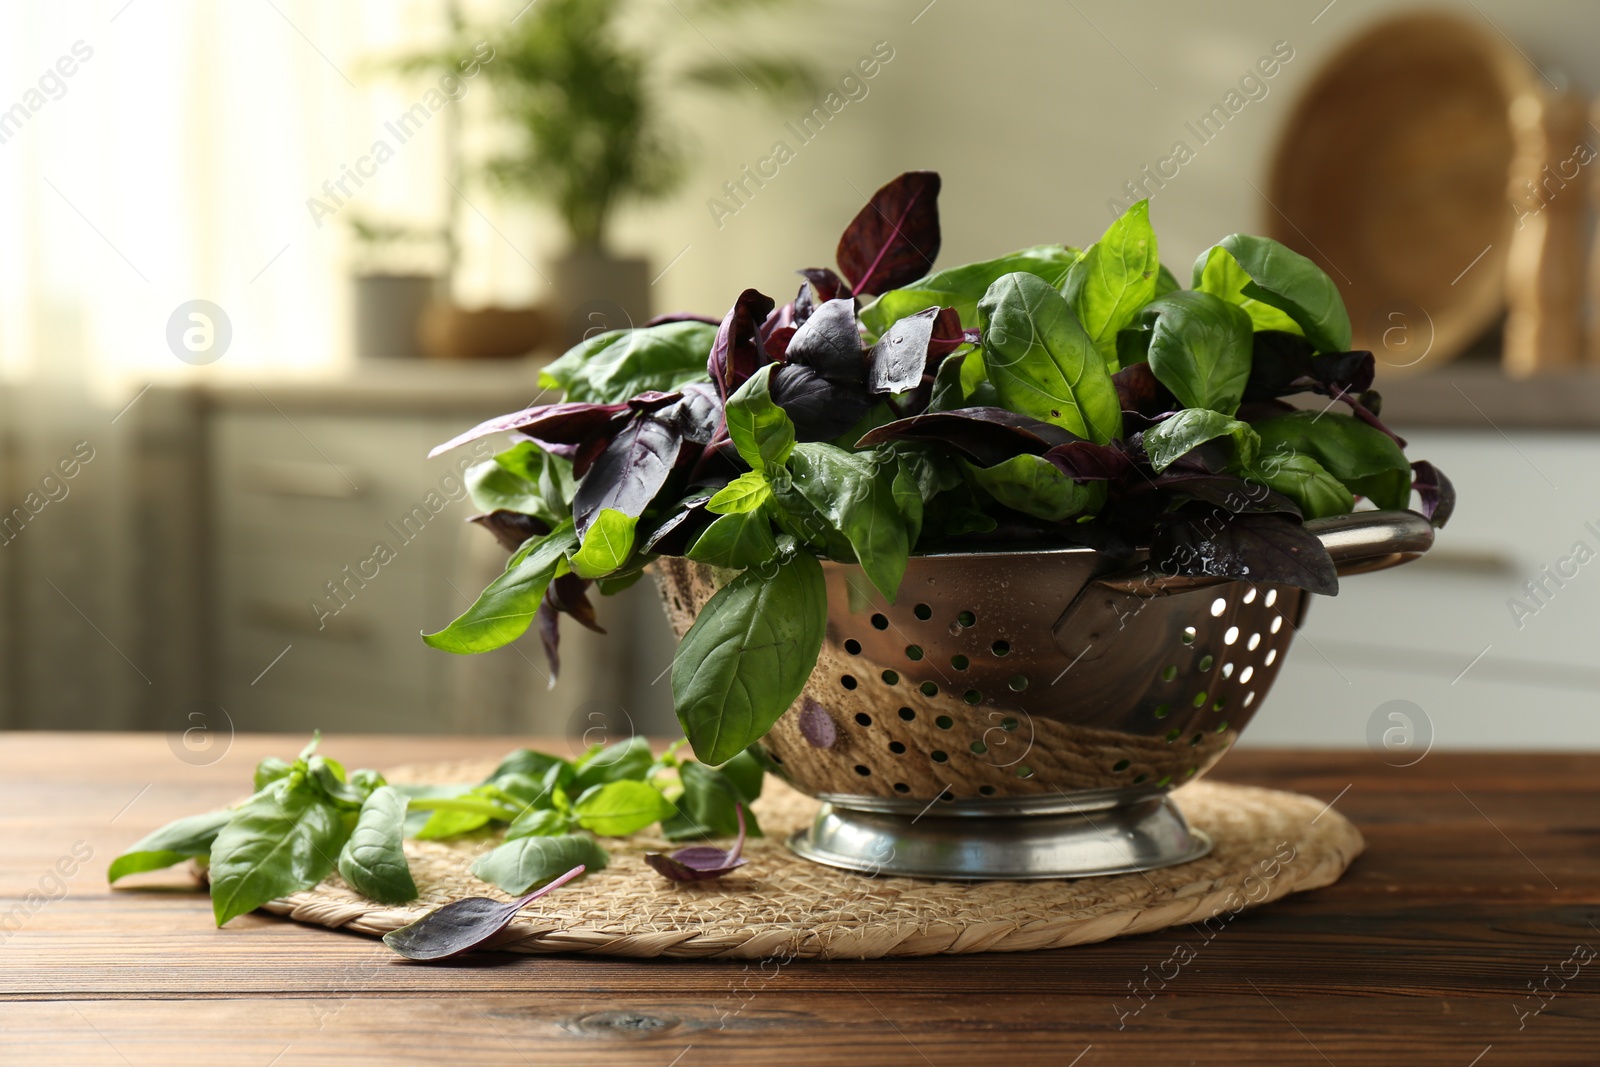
(944,722)
(1249,698)
(959,662)
(1140,779)
(1272,597)
(972,696)
(1277,623)
(967,618)
(863,719)
(853,647)
(923,612)
(939,755)
(1231,636)
(978,748)
(907,714)
(1188,635)
(1024,771)
(1222,726)
(1272,656)
(1227,670)
(863,770)
(1206,661)
(1200,699)
(1254,642)
(1163,710)
(901,787)
(848,681)
(1018,683)
(1218,606)
(1169,672)
(1120,766)
(1173,734)
(929,689)
(986,790)
(913,652)
(891,678)
(1250,595)
(1001,648)
(880,622)
(1246,674)
(897,747)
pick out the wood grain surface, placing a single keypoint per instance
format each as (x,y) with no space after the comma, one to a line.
(1481,879)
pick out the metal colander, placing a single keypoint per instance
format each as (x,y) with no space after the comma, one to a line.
(1023,715)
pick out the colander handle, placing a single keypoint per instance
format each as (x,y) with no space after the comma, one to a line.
(1359,542)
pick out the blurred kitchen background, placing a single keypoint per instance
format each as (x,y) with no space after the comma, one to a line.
(261,255)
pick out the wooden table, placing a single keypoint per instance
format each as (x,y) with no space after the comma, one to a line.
(1481,882)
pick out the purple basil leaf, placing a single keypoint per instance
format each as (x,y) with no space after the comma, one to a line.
(736,354)
(464,924)
(1437,494)
(549,620)
(895,238)
(1228,492)
(511,528)
(679,530)
(680,316)
(630,472)
(897,362)
(1085,461)
(947,336)
(557,423)
(699,863)
(1140,393)
(569,594)
(985,436)
(777,342)
(696,416)
(822,284)
(830,343)
(1252,548)
(820,409)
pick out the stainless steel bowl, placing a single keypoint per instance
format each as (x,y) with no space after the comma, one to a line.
(1024,714)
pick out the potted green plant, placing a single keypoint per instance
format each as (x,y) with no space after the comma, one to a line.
(395,276)
(579,86)
(903,500)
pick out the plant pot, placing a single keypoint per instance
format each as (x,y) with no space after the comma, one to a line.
(450,332)
(595,291)
(1025,714)
(388,308)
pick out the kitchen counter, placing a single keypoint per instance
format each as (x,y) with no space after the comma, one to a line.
(1477,888)
(1479,396)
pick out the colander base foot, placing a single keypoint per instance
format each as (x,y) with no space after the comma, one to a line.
(1140,836)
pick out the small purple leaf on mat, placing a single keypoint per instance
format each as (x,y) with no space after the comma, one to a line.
(699,863)
(464,924)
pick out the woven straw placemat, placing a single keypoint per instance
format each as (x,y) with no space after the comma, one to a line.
(1267,844)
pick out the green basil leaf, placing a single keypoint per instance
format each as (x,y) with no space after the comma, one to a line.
(521,864)
(746,773)
(1200,349)
(278,842)
(948,395)
(736,541)
(707,807)
(907,494)
(373,860)
(745,493)
(539,822)
(1222,277)
(620,364)
(1363,458)
(520,789)
(1166,281)
(962,287)
(329,777)
(503,611)
(748,654)
(1035,486)
(1306,482)
(628,760)
(551,475)
(494,488)
(180,840)
(607,545)
(854,493)
(270,770)
(1114,279)
(463,813)
(1190,428)
(618,809)
(759,428)
(1041,361)
(525,761)
(1284,279)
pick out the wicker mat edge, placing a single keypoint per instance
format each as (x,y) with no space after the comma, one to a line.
(792,909)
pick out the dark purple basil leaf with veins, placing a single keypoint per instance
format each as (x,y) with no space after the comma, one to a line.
(1085,461)
(776,343)
(679,530)
(1438,496)
(511,528)
(680,316)
(1140,393)
(1251,548)
(899,359)
(824,284)
(555,423)
(820,410)
(630,472)
(947,337)
(695,417)
(736,353)
(699,863)
(895,238)
(985,436)
(464,924)
(830,343)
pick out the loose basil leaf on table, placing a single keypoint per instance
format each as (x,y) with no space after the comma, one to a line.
(1114,279)
(374,861)
(177,841)
(269,770)
(464,924)
(279,842)
(524,863)
(628,760)
(748,654)
(1288,281)
(1199,349)
(699,863)
(1041,361)
(708,806)
(540,822)
(617,809)
(525,761)
(503,612)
